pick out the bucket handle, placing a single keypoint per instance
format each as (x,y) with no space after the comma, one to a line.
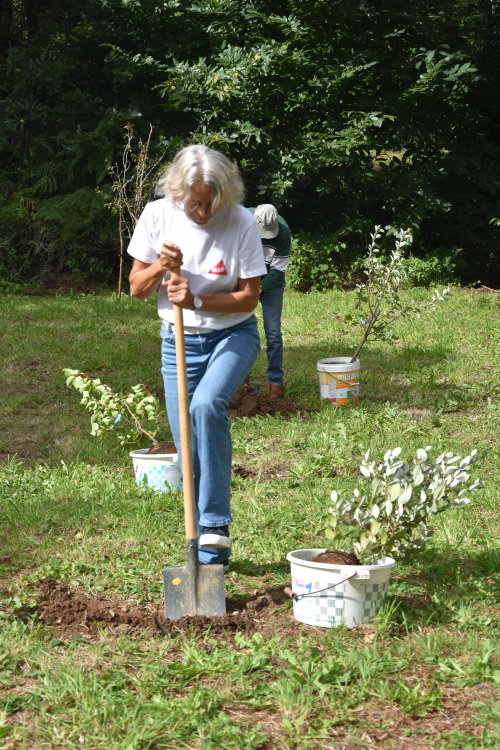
(297,597)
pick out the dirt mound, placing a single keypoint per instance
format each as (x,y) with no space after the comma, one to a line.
(73,613)
(248,402)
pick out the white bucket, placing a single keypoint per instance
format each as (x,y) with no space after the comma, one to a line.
(339,380)
(331,595)
(157,470)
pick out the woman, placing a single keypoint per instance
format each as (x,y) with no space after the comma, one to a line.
(200,225)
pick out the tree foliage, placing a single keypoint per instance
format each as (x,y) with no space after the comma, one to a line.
(344,114)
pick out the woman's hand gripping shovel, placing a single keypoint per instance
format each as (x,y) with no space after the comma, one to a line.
(193,589)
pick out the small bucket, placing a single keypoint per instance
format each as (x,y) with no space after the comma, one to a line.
(339,380)
(157,470)
(331,595)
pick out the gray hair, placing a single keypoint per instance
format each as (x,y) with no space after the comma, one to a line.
(202,164)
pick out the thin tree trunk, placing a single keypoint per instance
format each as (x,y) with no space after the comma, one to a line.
(120,272)
(366,334)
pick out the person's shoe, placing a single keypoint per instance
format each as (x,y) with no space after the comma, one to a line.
(215,537)
(276,391)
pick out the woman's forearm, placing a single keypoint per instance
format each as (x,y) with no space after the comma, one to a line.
(244,299)
(145,278)
(229,302)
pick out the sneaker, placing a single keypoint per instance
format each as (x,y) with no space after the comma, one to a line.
(276,391)
(215,537)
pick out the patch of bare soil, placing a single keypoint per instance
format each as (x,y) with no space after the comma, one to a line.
(482,290)
(390,728)
(73,613)
(250,403)
(264,475)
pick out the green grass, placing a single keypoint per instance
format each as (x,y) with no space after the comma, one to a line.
(426,674)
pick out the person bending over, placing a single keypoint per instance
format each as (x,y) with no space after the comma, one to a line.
(200,225)
(276,240)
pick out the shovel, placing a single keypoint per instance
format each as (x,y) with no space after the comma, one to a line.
(194,588)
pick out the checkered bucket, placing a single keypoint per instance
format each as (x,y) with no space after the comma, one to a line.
(157,470)
(328,595)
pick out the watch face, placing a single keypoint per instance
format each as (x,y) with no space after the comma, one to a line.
(197,302)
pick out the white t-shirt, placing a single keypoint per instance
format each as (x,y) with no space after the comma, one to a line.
(215,255)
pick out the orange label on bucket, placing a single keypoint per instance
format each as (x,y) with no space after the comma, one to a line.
(339,388)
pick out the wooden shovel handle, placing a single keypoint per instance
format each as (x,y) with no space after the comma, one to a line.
(184,422)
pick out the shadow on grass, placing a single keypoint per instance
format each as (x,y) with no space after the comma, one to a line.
(245,566)
(405,376)
(444,583)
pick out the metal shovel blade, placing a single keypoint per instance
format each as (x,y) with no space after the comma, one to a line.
(194,589)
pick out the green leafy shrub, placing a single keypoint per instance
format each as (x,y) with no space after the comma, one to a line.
(437,267)
(130,416)
(390,519)
(15,232)
(318,262)
(72,212)
(65,234)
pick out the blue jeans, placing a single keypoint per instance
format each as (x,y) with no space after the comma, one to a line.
(272,305)
(216,364)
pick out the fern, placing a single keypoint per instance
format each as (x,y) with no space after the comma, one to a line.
(48,178)
(71,212)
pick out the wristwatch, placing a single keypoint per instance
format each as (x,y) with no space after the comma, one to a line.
(197,302)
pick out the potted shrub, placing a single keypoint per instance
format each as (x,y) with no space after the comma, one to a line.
(131,418)
(381,306)
(370,530)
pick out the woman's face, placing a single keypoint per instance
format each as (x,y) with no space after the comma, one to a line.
(198,204)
